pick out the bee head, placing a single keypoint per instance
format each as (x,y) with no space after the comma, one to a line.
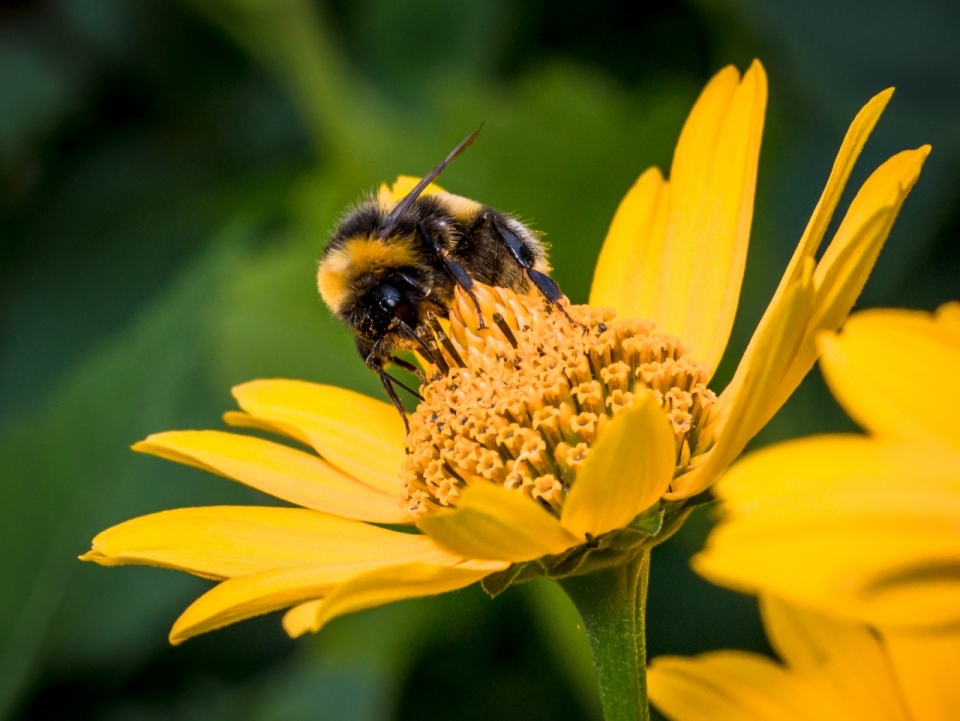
(351,266)
(395,297)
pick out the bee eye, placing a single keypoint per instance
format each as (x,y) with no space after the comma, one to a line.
(389,297)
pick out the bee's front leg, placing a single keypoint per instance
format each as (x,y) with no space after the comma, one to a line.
(375,363)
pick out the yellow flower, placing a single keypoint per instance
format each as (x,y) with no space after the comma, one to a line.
(861,526)
(831,670)
(550,443)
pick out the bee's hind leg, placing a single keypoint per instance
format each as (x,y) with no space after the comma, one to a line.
(551,291)
(524,256)
(460,275)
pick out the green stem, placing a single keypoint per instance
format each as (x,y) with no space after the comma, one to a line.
(612,603)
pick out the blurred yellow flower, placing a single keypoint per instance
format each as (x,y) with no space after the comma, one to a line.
(862,526)
(582,420)
(831,670)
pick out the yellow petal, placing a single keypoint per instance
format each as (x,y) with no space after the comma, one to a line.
(948,319)
(675,251)
(849,655)
(795,359)
(283,472)
(837,280)
(851,255)
(384,586)
(633,243)
(783,348)
(359,435)
(627,471)
(248,596)
(228,541)
(864,368)
(795,352)
(735,686)
(390,195)
(493,523)
(927,669)
(745,402)
(847,263)
(853,142)
(299,619)
(712,184)
(847,525)
(239,419)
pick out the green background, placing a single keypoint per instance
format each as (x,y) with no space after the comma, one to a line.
(168,175)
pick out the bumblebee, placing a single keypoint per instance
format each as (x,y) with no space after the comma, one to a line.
(390,270)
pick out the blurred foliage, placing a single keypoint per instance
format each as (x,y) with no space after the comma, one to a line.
(169,173)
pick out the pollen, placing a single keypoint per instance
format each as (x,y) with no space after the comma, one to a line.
(521,401)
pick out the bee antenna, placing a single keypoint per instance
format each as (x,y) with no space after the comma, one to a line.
(401,207)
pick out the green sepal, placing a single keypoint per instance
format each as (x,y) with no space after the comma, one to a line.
(649,522)
(649,529)
(497,583)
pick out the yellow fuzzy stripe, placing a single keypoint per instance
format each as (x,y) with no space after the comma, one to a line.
(340,269)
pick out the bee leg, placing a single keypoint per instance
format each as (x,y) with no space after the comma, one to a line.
(430,351)
(522,254)
(551,291)
(388,381)
(455,269)
(388,387)
(445,340)
(401,363)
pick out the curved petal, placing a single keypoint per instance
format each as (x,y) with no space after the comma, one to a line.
(359,435)
(846,264)
(239,419)
(626,472)
(783,348)
(927,669)
(843,271)
(759,380)
(851,255)
(387,585)
(248,596)
(493,523)
(853,142)
(863,368)
(622,278)
(281,471)
(735,686)
(229,541)
(847,525)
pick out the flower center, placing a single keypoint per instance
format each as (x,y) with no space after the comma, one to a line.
(521,402)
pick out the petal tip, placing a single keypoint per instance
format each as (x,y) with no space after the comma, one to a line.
(154,441)
(236,418)
(756,69)
(728,71)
